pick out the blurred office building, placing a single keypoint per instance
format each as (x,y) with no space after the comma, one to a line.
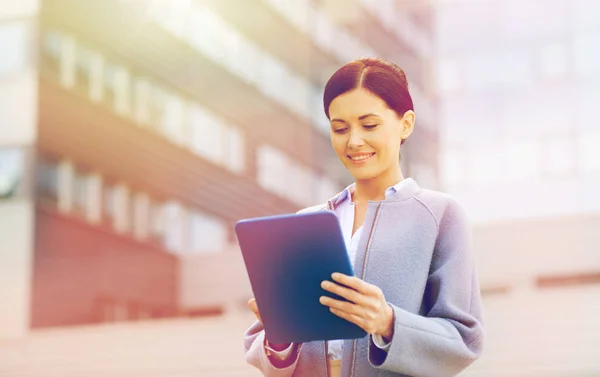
(519,88)
(134,134)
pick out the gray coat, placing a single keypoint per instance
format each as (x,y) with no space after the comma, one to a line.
(418,250)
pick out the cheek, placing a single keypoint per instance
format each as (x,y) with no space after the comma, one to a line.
(339,144)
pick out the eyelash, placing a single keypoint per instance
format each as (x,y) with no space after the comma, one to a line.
(367,126)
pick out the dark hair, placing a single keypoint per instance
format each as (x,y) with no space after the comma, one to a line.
(382,78)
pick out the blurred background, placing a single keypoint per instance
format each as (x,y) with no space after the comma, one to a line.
(134,134)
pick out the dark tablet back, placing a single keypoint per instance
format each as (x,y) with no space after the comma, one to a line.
(287,257)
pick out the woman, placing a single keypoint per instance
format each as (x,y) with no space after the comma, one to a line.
(415,292)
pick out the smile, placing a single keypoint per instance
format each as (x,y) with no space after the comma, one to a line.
(357,159)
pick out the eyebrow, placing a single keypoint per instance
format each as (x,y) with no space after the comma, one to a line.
(359,118)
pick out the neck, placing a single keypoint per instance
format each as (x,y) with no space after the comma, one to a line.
(373,189)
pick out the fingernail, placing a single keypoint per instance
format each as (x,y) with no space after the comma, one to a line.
(325,284)
(336,275)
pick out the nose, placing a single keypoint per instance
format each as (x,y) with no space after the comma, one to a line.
(355,140)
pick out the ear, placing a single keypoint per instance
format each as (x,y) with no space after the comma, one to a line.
(408,124)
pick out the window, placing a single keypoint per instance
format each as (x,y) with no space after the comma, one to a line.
(122,91)
(47,179)
(231,42)
(589,153)
(141,110)
(272,166)
(246,65)
(453,168)
(485,163)
(208,234)
(157,220)
(553,60)
(558,155)
(448,75)
(175,220)
(94,209)
(485,70)
(141,216)
(172,15)
(80,191)
(89,72)
(589,98)
(67,62)
(14,44)
(66,172)
(235,153)
(172,122)
(212,43)
(301,185)
(271,77)
(206,134)
(326,189)
(425,175)
(12,172)
(586,14)
(51,45)
(587,55)
(117,206)
(323,32)
(522,159)
(156,106)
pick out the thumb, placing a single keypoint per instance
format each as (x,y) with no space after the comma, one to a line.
(254,307)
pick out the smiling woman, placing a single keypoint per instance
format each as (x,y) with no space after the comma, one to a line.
(415,291)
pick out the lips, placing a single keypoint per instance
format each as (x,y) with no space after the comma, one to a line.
(360,157)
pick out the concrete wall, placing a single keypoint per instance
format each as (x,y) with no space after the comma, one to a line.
(16,227)
(214,280)
(517,252)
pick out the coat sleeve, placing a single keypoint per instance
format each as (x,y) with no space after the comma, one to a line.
(450,336)
(256,355)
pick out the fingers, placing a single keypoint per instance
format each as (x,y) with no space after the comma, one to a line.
(347,293)
(356,283)
(254,307)
(357,320)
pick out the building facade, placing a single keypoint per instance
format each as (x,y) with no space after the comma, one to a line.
(152,127)
(518,88)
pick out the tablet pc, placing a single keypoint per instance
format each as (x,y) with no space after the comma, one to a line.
(287,257)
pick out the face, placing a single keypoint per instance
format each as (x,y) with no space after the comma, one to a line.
(366,134)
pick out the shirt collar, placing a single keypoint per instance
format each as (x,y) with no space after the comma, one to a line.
(346,194)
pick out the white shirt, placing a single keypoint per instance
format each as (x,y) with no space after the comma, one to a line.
(345,212)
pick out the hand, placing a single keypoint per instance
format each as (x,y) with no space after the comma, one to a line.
(252,305)
(367,307)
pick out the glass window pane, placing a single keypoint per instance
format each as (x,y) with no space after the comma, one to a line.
(141,216)
(453,168)
(523,160)
(14,45)
(47,178)
(206,134)
(587,55)
(11,172)
(589,151)
(208,234)
(234,150)
(553,60)
(558,155)
(141,97)
(175,220)
(172,123)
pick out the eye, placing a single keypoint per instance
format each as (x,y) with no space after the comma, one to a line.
(340,130)
(370,126)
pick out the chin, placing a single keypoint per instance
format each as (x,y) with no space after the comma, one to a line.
(363,174)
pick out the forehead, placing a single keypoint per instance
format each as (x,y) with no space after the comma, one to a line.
(355,103)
